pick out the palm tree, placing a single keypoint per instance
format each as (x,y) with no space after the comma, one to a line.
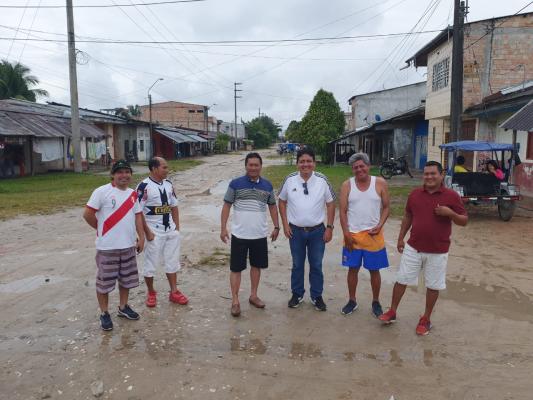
(16,82)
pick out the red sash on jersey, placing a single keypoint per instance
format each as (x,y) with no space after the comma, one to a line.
(121,212)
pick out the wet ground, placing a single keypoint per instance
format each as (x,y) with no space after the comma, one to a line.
(51,345)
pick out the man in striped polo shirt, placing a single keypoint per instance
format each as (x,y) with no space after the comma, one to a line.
(250,195)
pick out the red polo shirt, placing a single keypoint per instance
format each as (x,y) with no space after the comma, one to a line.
(430,233)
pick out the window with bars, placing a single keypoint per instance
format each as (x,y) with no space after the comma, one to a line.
(441,74)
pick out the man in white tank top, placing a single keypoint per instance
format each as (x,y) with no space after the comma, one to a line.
(364,208)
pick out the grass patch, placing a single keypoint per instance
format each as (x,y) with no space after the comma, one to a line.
(183,164)
(54,192)
(217,258)
(337,175)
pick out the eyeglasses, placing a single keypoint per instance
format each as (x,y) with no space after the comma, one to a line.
(306,191)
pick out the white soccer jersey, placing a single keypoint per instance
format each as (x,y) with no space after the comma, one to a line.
(156,200)
(115,212)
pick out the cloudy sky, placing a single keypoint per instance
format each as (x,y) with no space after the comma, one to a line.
(280,78)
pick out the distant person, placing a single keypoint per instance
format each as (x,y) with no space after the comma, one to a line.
(250,196)
(364,206)
(429,214)
(460,165)
(162,228)
(304,197)
(494,169)
(114,212)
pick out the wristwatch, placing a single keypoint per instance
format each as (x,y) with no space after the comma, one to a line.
(276,228)
(329,226)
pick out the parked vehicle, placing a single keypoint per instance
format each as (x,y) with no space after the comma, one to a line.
(393,167)
(483,188)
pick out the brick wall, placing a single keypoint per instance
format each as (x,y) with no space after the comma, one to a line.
(175,113)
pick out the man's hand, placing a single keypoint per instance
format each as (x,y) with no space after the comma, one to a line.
(287,231)
(444,211)
(375,230)
(348,241)
(328,234)
(274,234)
(400,246)
(150,235)
(224,235)
(140,245)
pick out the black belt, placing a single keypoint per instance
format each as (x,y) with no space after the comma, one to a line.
(307,228)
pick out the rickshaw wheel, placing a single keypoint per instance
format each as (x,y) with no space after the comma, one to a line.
(506,209)
(386,172)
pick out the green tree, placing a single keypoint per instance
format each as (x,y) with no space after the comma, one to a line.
(293,133)
(221,143)
(134,110)
(322,123)
(16,82)
(262,130)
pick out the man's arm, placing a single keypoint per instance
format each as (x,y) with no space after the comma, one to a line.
(385,206)
(175,216)
(89,215)
(274,215)
(140,231)
(224,215)
(458,219)
(330,211)
(343,214)
(404,228)
(282,205)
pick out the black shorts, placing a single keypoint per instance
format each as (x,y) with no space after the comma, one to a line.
(239,251)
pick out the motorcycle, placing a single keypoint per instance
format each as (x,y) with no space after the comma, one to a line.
(393,167)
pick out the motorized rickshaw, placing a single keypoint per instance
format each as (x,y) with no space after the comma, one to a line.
(482,188)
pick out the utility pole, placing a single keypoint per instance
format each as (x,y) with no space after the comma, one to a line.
(235,97)
(456,106)
(152,143)
(74,106)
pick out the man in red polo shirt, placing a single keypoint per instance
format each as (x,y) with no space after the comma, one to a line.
(429,213)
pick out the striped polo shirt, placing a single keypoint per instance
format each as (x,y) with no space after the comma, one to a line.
(250,199)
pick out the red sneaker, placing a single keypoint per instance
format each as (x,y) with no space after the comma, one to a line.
(178,297)
(423,327)
(151,299)
(388,318)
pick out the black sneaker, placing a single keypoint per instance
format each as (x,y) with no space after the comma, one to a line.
(349,308)
(295,301)
(127,312)
(319,304)
(105,321)
(376,309)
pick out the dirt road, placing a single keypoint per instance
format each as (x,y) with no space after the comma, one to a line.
(51,345)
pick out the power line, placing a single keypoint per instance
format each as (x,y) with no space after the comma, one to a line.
(18,27)
(153,3)
(334,38)
(28,35)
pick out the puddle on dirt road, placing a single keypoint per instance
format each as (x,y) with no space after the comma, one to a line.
(512,304)
(309,351)
(29,284)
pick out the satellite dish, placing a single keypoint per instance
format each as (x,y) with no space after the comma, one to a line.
(377,117)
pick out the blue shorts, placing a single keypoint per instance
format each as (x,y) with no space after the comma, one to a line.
(371,260)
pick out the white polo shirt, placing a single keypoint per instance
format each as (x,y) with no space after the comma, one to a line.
(306,210)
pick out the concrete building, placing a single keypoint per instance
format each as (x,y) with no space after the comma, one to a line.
(498,54)
(368,108)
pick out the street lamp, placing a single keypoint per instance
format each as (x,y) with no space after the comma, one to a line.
(150,112)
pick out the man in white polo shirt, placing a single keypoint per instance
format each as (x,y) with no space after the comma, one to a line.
(160,207)
(304,198)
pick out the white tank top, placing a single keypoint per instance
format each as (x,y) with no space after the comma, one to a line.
(364,208)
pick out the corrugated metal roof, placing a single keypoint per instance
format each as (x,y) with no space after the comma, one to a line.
(174,135)
(522,120)
(32,124)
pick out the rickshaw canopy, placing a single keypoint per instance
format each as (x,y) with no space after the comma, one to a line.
(475,145)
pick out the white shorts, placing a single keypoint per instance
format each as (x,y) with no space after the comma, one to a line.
(164,249)
(434,266)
